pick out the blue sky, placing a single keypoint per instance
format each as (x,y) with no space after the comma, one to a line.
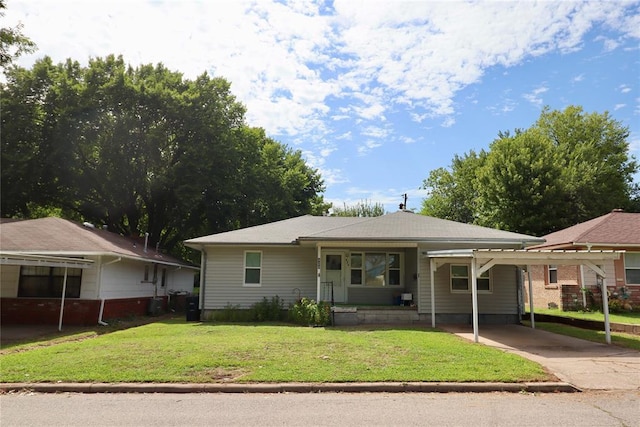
(375,94)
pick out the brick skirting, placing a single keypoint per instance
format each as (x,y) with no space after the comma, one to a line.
(81,312)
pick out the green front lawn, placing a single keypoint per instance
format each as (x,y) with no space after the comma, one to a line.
(629,318)
(175,351)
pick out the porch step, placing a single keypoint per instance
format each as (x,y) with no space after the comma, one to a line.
(366,316)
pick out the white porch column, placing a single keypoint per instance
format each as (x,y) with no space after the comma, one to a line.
(318,273)
(432,274)
(605,310)
(531,314)
(64,292)
(474,298)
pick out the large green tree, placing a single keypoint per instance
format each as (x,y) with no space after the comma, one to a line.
(143,150)
(566,168)
(363,208)
(12,42)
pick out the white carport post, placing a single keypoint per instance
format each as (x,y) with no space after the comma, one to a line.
(532,315)
(474,298)
(64,292)
(318,273)
(605,310)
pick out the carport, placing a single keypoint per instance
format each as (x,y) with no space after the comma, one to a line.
(21,258)
(481,260)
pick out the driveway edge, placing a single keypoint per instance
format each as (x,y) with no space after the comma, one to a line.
(396,387)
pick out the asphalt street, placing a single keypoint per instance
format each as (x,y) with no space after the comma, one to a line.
(618,408)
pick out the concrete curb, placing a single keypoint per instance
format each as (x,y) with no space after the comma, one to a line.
(408,387)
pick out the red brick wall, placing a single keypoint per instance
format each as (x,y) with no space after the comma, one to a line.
(39,311)
(127,307)
(46,311)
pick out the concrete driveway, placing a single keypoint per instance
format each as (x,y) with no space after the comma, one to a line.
(584,364)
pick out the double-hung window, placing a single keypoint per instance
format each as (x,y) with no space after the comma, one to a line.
(461,279)
(632,268)
(376,269)
(553,274)
(252,268)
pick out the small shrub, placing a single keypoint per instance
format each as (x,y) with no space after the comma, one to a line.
(268,310)
(231,313)
(308,312)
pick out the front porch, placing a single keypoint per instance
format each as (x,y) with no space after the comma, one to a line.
(349,315)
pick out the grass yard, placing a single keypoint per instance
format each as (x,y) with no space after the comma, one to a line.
(618,338)
(632,318)
(175,351)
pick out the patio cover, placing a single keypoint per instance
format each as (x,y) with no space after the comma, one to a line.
(19,258)
(482,260)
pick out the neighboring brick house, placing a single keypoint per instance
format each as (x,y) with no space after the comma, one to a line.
(560,285)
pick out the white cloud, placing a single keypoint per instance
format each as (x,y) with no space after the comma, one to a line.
(534,96)
(368,146)
(303,68)
(624,88)
(376,132)
(578,78)
(619,106)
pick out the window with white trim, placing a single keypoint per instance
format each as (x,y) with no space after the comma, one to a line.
(553,274)
(632,268)
(252,268)
(376,269)
(461,279)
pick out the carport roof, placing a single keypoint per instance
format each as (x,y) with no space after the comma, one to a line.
(527,256)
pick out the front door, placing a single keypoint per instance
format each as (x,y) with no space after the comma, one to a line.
(333,273)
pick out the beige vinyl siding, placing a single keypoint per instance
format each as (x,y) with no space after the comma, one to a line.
(123,279)
(283,270)
(9,278)
(502,300)
(89,284)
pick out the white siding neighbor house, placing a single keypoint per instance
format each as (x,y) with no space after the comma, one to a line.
(99,274)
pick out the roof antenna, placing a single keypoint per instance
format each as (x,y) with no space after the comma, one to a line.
(403,206)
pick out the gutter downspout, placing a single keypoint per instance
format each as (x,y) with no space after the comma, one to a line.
(203,269)
(318,274)
(432,273)
(100,321)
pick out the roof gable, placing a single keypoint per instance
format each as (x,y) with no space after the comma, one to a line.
(615,228)
(60,236)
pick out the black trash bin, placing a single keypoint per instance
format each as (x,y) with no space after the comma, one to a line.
(193,312)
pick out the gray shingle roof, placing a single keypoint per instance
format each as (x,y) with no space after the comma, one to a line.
(399,226)
(60,236)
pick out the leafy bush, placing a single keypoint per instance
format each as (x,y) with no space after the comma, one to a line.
(268,310)
(308,312)
(231,313)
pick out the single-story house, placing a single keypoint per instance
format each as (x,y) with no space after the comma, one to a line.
(396,267)
(98,274)
(572,287)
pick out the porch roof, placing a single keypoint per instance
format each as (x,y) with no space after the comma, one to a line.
(18,258)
